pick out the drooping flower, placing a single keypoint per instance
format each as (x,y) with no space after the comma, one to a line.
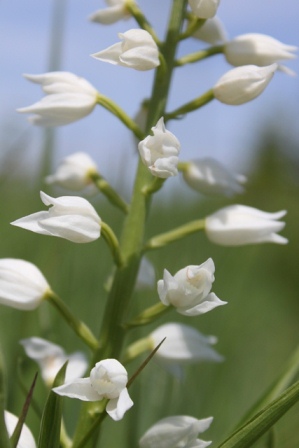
(116,11)
(204,9)
(238,224)
(159,152)
(212,32)
(137,50)
(108,379)
(243,84)
(257,49)
(179,431)
(189,289)
(210,177)
(51,357)
(183,345)
(68,99)
(22,285)
(74,172)
(26,439)
(70,217)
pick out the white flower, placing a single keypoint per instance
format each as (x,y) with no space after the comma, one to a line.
(74,172)
(257,49)
(243,84)
(183,345)
(212,32)
(137,50)
(189,289)
(51,357)
(179,431)
(159,152)
(26,439)
(210,177)
(70,217)
(204,9)
(116,10)
(108,379)
(238,224)
(22,285)
(68,99)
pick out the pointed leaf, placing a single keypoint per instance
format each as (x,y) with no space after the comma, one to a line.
(263,421)
(4,440)
(18,429)
(51,420)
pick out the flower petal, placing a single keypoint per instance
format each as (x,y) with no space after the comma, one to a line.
(79,388)
(117,407)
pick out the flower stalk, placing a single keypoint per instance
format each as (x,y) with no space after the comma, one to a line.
(105,188)
(112,241)
(135,11)
(173,235)
(78,326)
(199,55)
(191,106)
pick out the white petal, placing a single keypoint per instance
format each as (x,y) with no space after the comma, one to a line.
(210,302)
(117,407)
(79,388)
(75,228)
(31,222)
(26,439)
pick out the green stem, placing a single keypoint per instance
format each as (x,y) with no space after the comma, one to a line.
(148,315)
(176,234)
(105,188)
(199,55)
(142,21)
(113,107)
(154,186)
(112,241)
(191,106)
(112,332)
(78,326)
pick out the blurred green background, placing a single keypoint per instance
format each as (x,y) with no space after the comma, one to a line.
(257,330)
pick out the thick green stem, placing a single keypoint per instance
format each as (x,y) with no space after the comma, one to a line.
(112,331)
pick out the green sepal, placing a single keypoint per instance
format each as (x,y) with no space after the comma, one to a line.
(49,435)
(263,420)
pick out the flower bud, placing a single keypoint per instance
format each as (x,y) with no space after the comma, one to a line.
(70,217)
(68,99)
(212,32)
(183,345)
(257,49)
(137,50)
(176,432)
(22,285)
(210,177)
(159,152)
(108,379)
(204,9)
(189,289)
(51,357)
(74,172)
(116,11)
(238,224)
(243,84)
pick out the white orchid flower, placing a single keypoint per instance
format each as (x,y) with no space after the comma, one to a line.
(108,379)
(26,439)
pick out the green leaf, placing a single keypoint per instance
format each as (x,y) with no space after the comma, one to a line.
(18,429)
(245,436)
(4,440)
(49,435)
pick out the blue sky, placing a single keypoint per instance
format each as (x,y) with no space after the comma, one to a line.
(224,132)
